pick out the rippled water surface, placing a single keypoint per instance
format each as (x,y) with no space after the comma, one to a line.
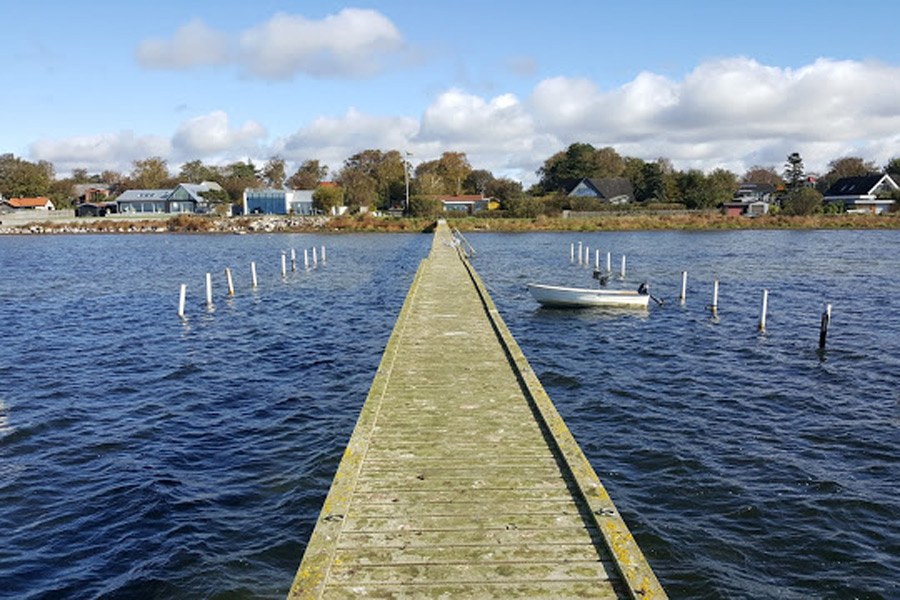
(146,457)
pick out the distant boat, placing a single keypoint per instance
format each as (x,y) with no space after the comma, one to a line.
(569,297)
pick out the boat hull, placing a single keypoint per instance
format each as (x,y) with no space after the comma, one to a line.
(566,297)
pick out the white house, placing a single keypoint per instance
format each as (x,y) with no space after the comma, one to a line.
(867,193)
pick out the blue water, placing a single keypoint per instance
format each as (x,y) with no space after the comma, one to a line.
(142,456)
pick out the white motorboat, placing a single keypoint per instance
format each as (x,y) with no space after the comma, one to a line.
(569,297)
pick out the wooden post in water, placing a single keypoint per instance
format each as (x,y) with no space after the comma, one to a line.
(283,264)
(323,254)
(623,266)
(823,328)
(253,274)
(181,300)
(230,281)
(683,286)
(293,260)
(715,304)
(306,259)
(587,256)
(597,259)
(209,289)
(315,258)
(762,316)
(572,253)
(579,253)
(609,262)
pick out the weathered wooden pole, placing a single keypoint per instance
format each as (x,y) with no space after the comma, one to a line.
(323,254)
(609,262)
(762,316)
(683,286)
(823,328)
(623,266)
(283,264)
(306,259)
(579,253)
(293,260)
(230,281)
(181,300)
(209,289)
(572,253)
(587,256)
(315,258)
(597,259)
(253,274)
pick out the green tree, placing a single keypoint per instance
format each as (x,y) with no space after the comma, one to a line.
(273,172)
(722,185)
(562,170)
(308,175)
(425,206)
(326,197)
(373,178)
(892,168)
(477,181)
(218,200)
(149,174)
(805,201)
(847,166)
(503,190)
(524,207)
(794,175)
(21,178)
(694,190)
(80,176)
(453,168)
(237,177)
(196,172)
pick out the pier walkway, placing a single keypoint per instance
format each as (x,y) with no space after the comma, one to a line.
(460,479)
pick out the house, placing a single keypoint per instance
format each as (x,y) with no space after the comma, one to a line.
(750,208)
(614,190)
(467,203)
(17,204)
(751,200)
(866,193)
(91,192)
(94,209)
(184,198)
(278,202)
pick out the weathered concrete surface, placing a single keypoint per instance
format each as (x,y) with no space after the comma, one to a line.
(460,480)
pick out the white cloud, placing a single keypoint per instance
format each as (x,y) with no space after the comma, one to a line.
(212,134)
(730,113)
(114,151)
(352,43)
(193,44)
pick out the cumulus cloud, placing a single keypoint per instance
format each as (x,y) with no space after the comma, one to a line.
(352,43)
(212,134)
(114,151)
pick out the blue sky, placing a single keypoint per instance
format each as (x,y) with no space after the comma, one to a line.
(705,84)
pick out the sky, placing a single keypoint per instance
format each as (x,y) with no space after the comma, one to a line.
(707,85)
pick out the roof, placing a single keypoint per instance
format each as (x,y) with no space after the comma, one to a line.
(28,202)
(858,186)
(608,187)
(137,195)
(762,188)
(461,198)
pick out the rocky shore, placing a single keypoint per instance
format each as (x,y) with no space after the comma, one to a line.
(178,224)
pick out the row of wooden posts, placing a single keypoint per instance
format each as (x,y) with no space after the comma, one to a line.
(584,258)
(253,278)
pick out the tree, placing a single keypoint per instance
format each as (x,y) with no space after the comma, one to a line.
(892,168)
(523,207)
(196,172)
(848,166)
(694,189)
(21,178)
(149,174)
(503,190)
(477,181)
(453,168)
(327,197)
(425,206)
(562,170)
(273,172)
(722,184)
(237,177)
(308,175)
(794,176)
(760,174)
(217,200)
(805,201)
(373,178)
(80,176)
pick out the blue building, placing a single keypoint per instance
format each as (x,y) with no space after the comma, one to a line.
(277,202)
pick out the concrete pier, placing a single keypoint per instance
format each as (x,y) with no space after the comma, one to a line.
(460,479)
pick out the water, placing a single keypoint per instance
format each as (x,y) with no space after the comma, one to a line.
(145,457)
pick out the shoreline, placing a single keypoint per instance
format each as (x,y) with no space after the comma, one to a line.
(368,224)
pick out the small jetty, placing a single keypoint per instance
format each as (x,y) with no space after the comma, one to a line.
(460,479)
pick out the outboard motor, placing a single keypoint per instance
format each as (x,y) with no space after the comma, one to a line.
(644,289)
(601,277)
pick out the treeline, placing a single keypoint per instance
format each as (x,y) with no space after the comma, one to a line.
(384,179)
